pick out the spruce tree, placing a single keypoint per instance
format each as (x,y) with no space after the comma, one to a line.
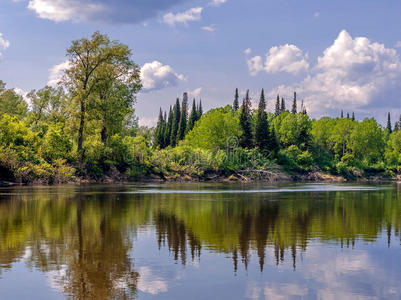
(176,123)
(192,117)
(353,116)
(342,114)
(262,134)
(236,102)
(294,104)
(169,127)
(282,108)
(159,138)
(200,110)
(389,128)
(245,120)
(347,115)
(182,126)
(277,109)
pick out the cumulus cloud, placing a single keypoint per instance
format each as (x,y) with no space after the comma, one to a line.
(217,2)
(353,73)
(190,15)
(156,76)
(56,73)
(286,58)
(116,11)
(247,51)
(4,44)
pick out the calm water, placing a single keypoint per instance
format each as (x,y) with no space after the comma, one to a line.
(210,241)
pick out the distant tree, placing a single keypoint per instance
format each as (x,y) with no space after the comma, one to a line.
(245,120)
(192,117)
(176,123)
(277,108)
(294,104)
(389,127)
(347,115)
(169,126)
(353,116)
(236,101)
(11,103)
(342,114)
(282,108)
(159,133)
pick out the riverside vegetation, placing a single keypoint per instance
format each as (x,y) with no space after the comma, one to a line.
(86,129)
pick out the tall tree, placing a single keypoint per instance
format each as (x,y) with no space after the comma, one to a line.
(236,100)
(282,107)
(277,109)
(182,126)
(353,116)
(262,133)
(294,104)
(342,114)
(389,127)
(85,57)
(159,133)
(200,110)
(245,120)
(192,117)
(167,134)
(176,123)
(347,115)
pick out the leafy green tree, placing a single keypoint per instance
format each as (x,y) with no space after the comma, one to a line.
(236,100)
(86,57)
(216,128)
(11,103)
(245,119)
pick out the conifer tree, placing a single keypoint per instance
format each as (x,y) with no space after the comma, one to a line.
(353,116)
(165,141)
(192,117)
(169,126)
(347,115)
(236,101)
(159,139)
(176,123)
(245,120)
(389,128)
(262,134)
(282,108)
(182,126)
(294,104)
(277,109)
(200,110)
(342,114)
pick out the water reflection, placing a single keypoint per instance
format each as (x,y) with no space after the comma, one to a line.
(85,239)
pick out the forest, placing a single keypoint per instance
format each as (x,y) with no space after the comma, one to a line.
(85,129)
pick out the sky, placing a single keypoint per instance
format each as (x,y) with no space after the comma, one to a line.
(337,55)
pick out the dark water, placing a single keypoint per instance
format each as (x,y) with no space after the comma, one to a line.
(258,241)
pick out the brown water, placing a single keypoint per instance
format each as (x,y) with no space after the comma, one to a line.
(201,241)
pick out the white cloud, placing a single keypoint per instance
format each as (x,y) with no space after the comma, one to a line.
(209,28)
(56,73)
(247,51)
(156,76)
(286,58)
(148,122)
(190,15)
(217,2)
(4,44)
(316,15)
(354,74)
(196,92)
(62,10)
(95,11)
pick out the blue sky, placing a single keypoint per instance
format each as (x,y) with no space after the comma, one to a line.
(335,54)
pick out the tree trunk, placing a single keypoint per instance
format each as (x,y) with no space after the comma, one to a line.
(81,127)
